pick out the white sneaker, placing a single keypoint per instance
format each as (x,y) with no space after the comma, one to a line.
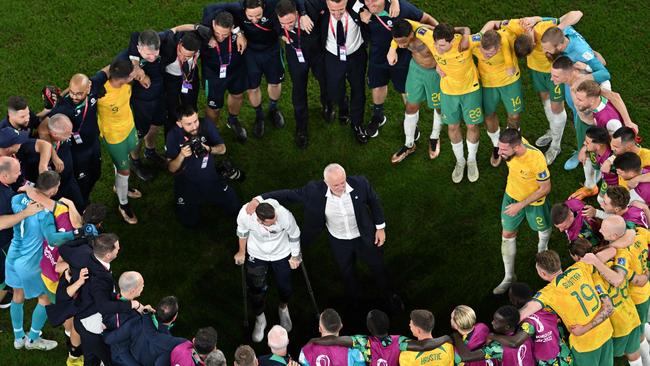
(545,139)
(472,171)
(285,319)
(459,171)
(551,154)
(41,344)
(504,286)
(260,326)
(20,343)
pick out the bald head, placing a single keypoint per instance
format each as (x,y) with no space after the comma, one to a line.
(131,284)
(79,80)
(9,170)
(79,88)
(278,340)
(613,227)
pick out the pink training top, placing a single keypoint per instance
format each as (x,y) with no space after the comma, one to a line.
(636,216)
(476,340)
(606,116)
(547,336)
(182,355)
(51,254)
(580,223)
(519,356)
(384,356)
(610,178)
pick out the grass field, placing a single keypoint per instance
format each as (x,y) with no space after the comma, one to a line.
(443,240)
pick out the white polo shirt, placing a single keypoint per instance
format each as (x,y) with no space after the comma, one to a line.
(270,243)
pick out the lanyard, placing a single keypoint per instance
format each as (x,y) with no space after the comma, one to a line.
(83,116)
(186,77)
(347,20)
(382,23)
(229,51)
(262,28)
(286,33)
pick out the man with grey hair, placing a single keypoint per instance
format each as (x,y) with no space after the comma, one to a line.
(216,358)
(278,340)
(351,211)
(58,132)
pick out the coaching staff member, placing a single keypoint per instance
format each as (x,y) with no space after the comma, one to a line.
(352,213)
(190,149)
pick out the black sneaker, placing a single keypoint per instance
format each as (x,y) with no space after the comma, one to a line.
(155,158)
(360,134)
(373,127)
(5,302)
(402,154)
(236,127)
(276,118)
(138,168)
(302,141)
(258,130)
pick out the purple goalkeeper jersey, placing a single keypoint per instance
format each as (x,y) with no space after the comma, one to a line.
(476,340)
(636,215)
(381,355)
(582,227)
(604,113)
(546,344)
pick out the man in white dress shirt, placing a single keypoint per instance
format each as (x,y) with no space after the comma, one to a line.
(268,238)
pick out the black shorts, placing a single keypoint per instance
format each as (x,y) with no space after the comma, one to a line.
(215,88)
(147,113)
(379,75)
(268,63)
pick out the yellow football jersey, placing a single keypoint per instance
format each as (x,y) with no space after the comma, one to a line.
(524,173)
(537,59)
(639,264)
(625,318)
(493,70)
(114,115)
(461,76)
(441,356)
(573,296)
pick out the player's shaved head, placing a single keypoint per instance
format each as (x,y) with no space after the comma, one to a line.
(330,321)
(79,81)
(378,323)
(507,318)
(625,134)
(554,36)
(613,227)
(524,45)
(464,318)
(548,261)
(579,247)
